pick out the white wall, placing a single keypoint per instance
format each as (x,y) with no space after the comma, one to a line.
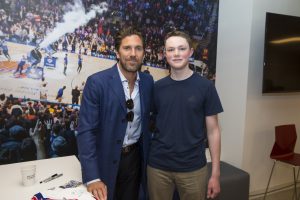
(249,118)
(232,72)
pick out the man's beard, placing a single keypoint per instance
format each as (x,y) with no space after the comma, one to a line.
(130,68)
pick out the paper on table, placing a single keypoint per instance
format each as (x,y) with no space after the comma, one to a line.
(79,193)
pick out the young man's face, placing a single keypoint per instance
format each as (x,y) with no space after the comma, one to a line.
(131,53)
(178,52)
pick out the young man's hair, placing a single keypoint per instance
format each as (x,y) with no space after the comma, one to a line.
(127,32)
(179,34)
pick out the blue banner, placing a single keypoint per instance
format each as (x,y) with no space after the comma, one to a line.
(50,62)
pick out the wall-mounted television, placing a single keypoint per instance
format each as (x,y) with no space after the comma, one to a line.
(281,70)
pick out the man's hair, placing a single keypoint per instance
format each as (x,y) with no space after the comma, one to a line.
(127,32)
(179,34)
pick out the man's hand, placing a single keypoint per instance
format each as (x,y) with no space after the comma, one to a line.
(213,188)
(98,189)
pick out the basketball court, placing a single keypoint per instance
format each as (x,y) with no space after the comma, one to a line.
(25,86)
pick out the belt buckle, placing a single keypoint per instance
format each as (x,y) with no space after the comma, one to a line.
(126,149)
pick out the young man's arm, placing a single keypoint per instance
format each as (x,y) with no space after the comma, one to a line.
(214,142)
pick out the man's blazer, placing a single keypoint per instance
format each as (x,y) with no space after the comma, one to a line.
(102,125)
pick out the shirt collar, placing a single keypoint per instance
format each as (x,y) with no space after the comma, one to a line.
(123,79)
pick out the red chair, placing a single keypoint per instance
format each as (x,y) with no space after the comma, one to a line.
(283,151)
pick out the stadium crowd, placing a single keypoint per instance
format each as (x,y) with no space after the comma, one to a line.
(29,21)
(31,130)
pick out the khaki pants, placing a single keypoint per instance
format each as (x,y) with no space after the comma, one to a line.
(190,185)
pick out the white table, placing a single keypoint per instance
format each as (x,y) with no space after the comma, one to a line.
(11,180)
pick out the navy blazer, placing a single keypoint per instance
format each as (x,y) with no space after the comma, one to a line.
(102,126)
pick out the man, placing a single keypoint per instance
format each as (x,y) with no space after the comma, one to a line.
(60,94)
(4,47)
(81,87)
(147,70)
(113,133)
(43,90)
(36,57)
(79,63)
(185,103)
(75,95)
(21,64)
(65,64)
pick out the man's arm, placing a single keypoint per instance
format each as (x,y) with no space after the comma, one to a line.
(89,122)
(214,142)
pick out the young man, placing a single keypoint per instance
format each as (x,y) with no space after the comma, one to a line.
(185,103)
(113,135)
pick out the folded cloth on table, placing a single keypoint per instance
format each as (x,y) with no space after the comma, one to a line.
(78,193)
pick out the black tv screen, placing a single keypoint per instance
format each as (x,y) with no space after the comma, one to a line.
(281,71)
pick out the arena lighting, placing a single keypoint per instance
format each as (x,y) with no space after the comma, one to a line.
(286,40)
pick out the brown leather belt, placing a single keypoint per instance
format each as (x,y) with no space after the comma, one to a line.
(129,148)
